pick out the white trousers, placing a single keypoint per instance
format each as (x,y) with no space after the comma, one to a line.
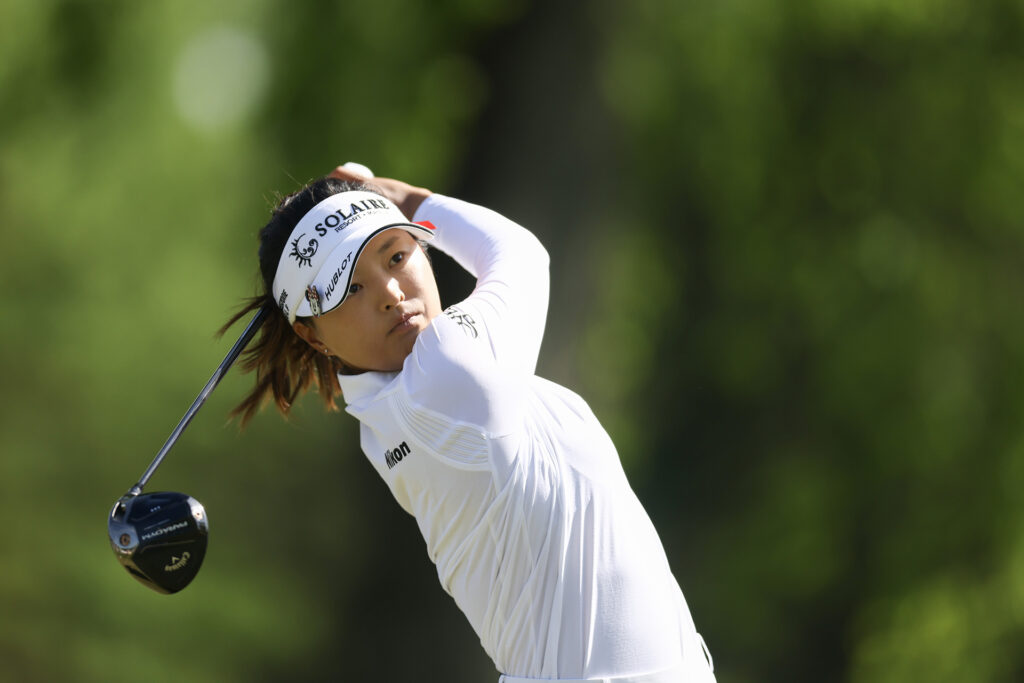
(696,667)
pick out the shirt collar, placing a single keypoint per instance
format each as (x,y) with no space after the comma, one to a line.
(358,388)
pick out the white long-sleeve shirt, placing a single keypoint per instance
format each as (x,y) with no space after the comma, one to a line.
(517,489)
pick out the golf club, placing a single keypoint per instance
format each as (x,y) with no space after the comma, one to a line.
(160,538)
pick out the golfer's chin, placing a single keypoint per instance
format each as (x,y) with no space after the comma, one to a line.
(396,351)
(405,346)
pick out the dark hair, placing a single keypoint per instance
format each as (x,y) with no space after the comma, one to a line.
(285,365)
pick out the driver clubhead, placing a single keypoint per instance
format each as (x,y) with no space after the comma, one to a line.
(160,538)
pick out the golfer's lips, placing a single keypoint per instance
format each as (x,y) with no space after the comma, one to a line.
(404,323)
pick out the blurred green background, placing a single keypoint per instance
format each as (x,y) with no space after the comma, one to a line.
(788,271)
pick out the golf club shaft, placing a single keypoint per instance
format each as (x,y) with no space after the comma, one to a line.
(250,330)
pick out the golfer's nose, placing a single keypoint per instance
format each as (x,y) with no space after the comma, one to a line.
(393,294)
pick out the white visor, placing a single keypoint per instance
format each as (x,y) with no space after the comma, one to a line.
(315,270)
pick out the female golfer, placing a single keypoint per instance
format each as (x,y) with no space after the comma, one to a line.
(517,489)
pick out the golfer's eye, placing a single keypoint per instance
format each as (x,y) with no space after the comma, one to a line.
(397,258)
(352,289)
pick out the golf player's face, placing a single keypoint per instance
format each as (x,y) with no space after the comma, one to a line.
(392,298)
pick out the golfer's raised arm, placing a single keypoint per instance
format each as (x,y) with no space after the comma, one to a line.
(511,269)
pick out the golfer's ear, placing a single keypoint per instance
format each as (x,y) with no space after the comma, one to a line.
(308,334)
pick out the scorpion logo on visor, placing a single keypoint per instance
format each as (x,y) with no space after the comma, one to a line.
(304,255)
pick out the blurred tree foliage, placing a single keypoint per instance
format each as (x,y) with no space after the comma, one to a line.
(788,246)
(824,208)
